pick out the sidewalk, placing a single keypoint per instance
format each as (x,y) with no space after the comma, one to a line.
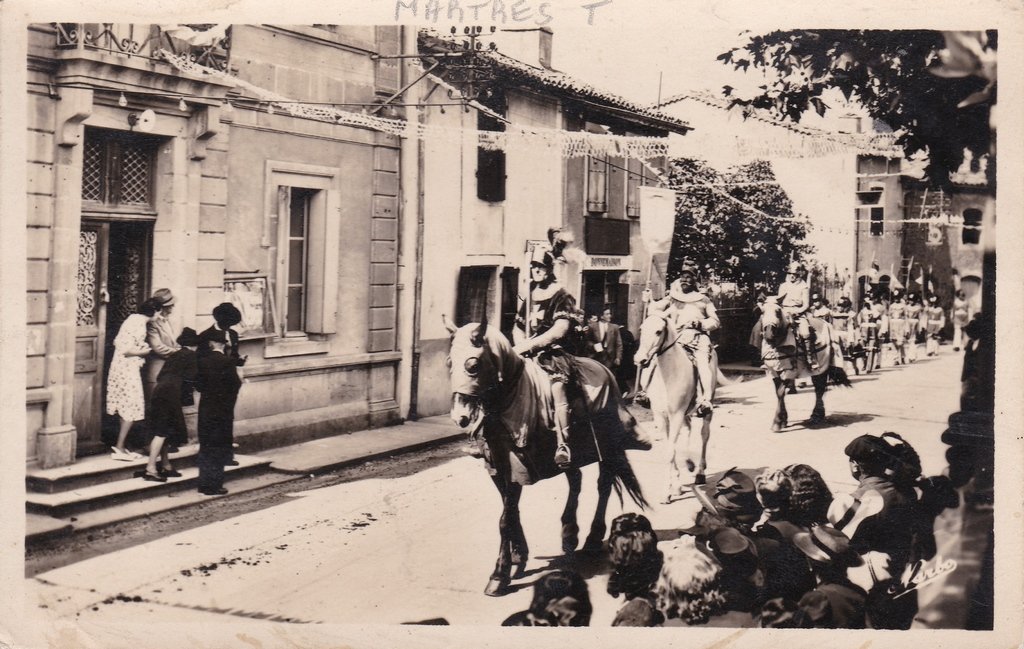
(95,493)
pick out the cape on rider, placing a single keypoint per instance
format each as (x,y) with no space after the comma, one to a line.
(548,328)
(794,299)
(694,314)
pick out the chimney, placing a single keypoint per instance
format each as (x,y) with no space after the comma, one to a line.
(531,46)
(544,47)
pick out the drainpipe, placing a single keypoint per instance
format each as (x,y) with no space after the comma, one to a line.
(411,247)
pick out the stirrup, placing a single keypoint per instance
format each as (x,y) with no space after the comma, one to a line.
(563,458)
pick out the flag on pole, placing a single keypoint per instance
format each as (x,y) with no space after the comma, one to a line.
(894,282)
(920,280)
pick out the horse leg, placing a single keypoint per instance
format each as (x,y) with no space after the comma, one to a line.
(674,430)
(570,529)
(820,384)
(781,416)
(518,549)
(500,579)
(705,435)
(595,539)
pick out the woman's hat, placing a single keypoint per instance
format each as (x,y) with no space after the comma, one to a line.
(734,497)
(826,544)
(164,297)
(226,315)
(188,337)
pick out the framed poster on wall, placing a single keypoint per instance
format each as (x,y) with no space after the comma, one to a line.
(253,298)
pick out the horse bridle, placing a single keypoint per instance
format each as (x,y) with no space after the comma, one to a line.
(662,347)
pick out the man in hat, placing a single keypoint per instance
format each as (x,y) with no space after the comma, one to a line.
(836,602)
(794,299)
(225,316)
(548,328)
(694,314)
(218,383)
(819,309)
(935,319)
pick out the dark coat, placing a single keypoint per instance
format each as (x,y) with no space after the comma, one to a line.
(787,573)
(611,353)
(173,389)
(219,384)
(833,606)
(232,346)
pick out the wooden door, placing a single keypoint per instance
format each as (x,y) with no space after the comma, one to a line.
(90,319)
(113,280)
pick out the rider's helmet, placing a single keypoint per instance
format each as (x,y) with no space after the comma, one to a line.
(690,267)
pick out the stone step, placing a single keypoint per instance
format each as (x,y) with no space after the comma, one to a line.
(97,470)
(68,503)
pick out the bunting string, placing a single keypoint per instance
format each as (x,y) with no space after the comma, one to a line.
(570,144)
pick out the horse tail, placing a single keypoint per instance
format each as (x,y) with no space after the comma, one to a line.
(837,375)
(624,479)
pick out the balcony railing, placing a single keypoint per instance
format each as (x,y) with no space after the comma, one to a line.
(207,45)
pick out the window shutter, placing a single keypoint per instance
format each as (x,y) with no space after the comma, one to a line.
(597,187)
(322,253)
(616,187)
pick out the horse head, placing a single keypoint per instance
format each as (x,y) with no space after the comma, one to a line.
(653,330)
(773,324)
(475,362)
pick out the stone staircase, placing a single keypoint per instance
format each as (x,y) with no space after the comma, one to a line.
(96,491)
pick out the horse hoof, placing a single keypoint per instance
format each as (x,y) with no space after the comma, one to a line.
(496,587)
(690,466)
(699,479)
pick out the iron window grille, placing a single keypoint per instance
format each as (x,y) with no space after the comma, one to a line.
(118,169)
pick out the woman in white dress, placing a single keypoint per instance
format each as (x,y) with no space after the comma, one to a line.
(125,396)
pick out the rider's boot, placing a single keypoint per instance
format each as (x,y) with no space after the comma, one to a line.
(563,458)
(809,347)
(704,406)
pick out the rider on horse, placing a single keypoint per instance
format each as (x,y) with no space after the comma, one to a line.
(548,328)
(692,313)
(794,300)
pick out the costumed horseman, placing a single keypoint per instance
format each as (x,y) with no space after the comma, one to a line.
(694,314)
(794,299)
(548,328)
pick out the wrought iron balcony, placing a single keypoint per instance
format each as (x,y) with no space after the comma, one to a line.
(207,45)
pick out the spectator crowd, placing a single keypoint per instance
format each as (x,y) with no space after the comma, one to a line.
(774,548)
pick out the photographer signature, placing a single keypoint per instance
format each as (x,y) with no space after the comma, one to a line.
(918,574)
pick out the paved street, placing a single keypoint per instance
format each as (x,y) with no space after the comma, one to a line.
(422,546)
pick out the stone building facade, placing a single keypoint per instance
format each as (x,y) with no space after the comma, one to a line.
(144,176)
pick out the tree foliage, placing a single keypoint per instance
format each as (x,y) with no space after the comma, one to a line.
(935,89)
(715,231)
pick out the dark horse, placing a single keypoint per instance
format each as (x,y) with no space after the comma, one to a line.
(505,401)
(783,361)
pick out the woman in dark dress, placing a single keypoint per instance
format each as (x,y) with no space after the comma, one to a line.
(548,328)
(173,389)
(218,383)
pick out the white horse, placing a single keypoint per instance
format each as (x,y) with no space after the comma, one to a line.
(661,343)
